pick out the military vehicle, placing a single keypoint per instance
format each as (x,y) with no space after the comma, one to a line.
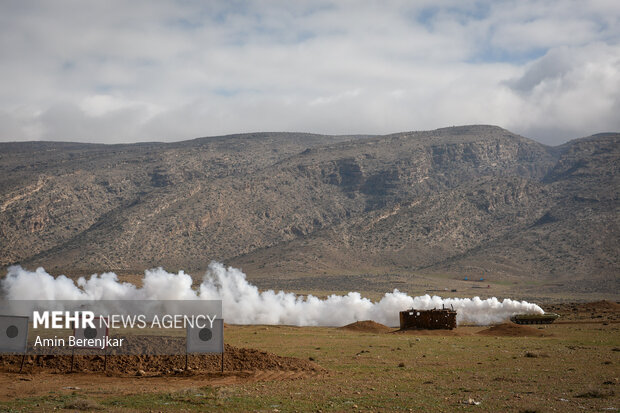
(546,318)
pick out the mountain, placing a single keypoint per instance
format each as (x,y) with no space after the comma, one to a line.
(462,200)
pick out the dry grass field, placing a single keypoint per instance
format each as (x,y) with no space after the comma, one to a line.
(568,366)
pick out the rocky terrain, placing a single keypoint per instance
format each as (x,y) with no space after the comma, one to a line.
(462,200)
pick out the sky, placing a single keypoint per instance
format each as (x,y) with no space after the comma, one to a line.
(167,70)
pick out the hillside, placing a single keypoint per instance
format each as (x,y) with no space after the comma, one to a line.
(463,200)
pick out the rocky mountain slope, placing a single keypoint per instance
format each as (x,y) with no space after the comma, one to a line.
(462,200)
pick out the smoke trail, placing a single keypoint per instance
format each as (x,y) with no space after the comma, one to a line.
(243,303)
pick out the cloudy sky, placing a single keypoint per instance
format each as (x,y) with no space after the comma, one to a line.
(125,71)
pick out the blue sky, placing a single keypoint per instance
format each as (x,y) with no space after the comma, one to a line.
(119,71)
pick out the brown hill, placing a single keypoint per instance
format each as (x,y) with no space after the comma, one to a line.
(463,200)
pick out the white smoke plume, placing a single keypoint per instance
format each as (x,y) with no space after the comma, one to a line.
(243,303)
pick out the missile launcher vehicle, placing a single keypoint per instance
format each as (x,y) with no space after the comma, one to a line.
(546,318)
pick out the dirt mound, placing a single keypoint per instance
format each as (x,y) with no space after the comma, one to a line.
(367,326)
(235,359)
(512,330)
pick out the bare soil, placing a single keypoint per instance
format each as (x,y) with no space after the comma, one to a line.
(440,332)
(513,330)
(235,359)
(598,311)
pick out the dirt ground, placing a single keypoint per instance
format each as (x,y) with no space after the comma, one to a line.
(598,311)
(570,365)
(235,359)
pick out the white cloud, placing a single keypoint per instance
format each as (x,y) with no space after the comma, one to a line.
(136,71)
(571,89)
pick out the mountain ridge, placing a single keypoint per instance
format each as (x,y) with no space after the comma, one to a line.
(459,200)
